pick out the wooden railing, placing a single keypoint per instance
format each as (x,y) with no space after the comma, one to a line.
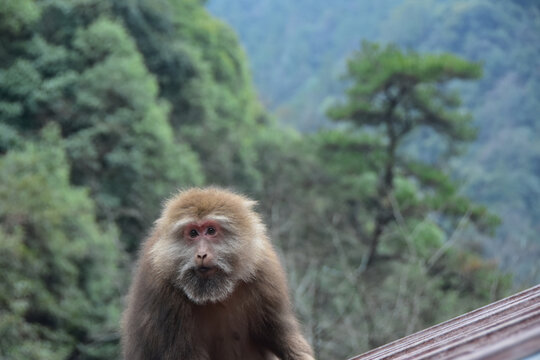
(508,329)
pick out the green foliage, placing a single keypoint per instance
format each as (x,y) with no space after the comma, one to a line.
(129,133)
(406,89)
(17,15)
(118,137)
(60,280)
(202,72)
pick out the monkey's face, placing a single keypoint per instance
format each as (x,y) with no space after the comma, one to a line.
(208,272)
(209,241)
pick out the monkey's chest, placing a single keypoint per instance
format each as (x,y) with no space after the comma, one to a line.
(227,337)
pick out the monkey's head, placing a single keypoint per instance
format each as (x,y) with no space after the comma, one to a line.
(208,240)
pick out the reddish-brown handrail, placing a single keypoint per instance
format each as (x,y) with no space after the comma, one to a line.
(508,329)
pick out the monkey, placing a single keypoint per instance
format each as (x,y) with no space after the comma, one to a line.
(209,285)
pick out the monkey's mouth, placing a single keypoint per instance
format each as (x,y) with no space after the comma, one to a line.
(206,271)
(206,283)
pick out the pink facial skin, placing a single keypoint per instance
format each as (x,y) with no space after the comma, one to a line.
(203,235)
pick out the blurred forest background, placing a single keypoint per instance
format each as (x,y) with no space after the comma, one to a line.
(392,146)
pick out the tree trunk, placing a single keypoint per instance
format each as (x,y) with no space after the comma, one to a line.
(384,212)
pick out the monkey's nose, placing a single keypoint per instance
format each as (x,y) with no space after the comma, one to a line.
(202,260)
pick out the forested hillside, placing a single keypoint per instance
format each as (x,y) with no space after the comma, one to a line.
(298,51)
(107,107)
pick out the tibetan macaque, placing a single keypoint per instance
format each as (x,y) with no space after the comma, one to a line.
(209,286)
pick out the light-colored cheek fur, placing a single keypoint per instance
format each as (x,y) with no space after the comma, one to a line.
(237,251)
(255,247)
(166,256)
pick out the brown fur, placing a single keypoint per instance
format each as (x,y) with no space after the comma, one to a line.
(251,319)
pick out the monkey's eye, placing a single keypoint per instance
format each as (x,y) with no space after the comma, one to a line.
(193,233)
(211,230)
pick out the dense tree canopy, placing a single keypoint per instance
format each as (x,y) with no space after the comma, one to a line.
(60,283)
